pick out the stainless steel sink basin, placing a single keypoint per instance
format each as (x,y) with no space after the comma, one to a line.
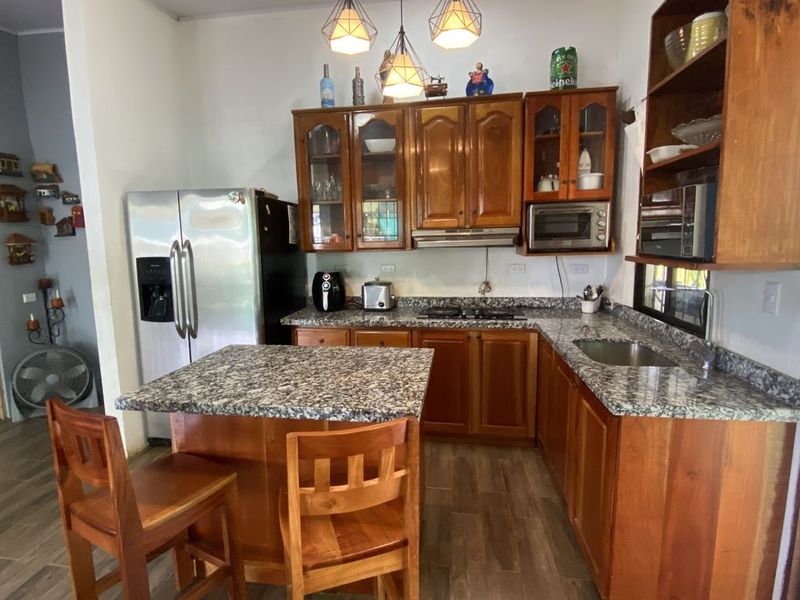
(623,354)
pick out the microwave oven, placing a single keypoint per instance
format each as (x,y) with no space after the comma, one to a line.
(679,223)
(568,226)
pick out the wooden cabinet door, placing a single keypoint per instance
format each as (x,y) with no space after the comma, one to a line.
(594,444)
(321,336)
(558,418)
(592,128)
(507,367)
(440,167)
(322,154)
(446,408)
(547,145)
(382,338)
(379,179)
(544,383)
(494,164)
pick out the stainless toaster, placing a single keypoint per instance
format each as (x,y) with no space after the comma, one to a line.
(378,295)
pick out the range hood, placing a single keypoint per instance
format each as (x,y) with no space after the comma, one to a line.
(465,238)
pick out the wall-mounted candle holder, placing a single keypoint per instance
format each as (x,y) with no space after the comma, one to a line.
(53,312)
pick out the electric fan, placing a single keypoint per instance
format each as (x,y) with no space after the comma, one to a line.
(52,372)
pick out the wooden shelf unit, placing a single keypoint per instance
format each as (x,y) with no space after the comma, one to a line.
(646,259)
(704,156)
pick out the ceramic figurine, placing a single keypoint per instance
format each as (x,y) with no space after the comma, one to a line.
(9,165)
(12,204)
(436,88)
(20,249)
(46,216)
(383,73)
(480,83)
(45,173)
(65,228)
(70,198)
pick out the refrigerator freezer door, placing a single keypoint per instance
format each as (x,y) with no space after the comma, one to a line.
(220,262)
(153,228)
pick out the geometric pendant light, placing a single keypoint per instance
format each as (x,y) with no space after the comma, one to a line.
(455,23)
(348,29)
(401,74)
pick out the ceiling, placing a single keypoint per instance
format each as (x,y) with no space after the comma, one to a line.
(20,16)
(193,9)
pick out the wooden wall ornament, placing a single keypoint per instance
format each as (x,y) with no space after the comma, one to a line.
(69,198)
(65,228)
(12,204)
(45,173)
(10,165)
(77,217)
(20,249)
(46,216)
(48,191)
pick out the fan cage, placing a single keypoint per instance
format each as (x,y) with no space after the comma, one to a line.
(54,372)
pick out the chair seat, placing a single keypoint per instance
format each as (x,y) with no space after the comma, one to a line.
(164,489)
(337,539)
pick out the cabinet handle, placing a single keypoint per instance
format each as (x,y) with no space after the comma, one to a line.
(358,235)
(321,340)
(382,343)
(474,211)
(460,212)
(347,236)
(479,337)
(564,182)
(573,180)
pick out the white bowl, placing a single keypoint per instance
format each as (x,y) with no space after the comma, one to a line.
(700,131)
(380,144)
(590,181)
(663,153)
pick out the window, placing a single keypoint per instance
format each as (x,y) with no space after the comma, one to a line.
(672,295)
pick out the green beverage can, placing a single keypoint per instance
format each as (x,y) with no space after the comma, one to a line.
(564,69)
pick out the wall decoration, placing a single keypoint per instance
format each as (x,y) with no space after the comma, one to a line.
(12,204)
(47,191)
(77,217)
(65,228)
(46,216)
(480,84)
(436,88)
(9,165)
(20,249)
(54,313)
(45,173)
(70,198)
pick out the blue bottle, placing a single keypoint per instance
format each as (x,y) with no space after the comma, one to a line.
(326,89)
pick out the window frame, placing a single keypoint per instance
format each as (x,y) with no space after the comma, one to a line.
(638,302)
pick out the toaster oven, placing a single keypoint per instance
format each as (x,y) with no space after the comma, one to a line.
(568,226)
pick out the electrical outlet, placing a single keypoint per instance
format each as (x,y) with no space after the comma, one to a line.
(579,269)
(516,269)
(28,298)
(387,268)
(771,300)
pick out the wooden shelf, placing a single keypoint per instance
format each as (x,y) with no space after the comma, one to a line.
(323,157)
(704,156)
(704,73)
(700,266)
(592,133)
(548,136)
(327,202)
(379,155)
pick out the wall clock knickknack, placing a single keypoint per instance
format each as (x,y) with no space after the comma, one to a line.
(20,249)
(45,173)
(65,228)
(48,191)
(10,165)
(12,204)
(69,198)
(46,216)
(77,217)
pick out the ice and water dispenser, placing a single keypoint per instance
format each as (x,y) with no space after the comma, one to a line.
(155,288)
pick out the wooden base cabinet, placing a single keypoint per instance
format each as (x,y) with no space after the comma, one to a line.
(667,508)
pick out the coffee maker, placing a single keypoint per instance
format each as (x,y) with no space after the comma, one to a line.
(328,291)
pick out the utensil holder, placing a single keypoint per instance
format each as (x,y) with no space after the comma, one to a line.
(591,306)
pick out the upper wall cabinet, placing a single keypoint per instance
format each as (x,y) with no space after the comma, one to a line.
(468,162)
(570,145)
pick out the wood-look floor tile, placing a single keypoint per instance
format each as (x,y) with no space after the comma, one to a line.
(438,465)
(465,486)
(498,526)
(541,578)
(47,582)
(437,528)
(468,567)
(568,558)
(521,493)
(487,468)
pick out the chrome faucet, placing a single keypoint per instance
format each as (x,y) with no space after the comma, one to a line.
(705,349)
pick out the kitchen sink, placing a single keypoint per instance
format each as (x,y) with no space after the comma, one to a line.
(622,354)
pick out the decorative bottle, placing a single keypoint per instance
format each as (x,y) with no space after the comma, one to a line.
(326,89)
(358,89)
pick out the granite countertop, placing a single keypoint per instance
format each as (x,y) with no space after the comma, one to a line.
(340,384)
(674,392)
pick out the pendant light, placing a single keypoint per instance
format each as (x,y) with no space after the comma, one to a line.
(401,74)
(455,23)
(348,29)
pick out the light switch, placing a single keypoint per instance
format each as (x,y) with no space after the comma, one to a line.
(579,269)
(770,302)
(387,268)
(516,269)
(28,298)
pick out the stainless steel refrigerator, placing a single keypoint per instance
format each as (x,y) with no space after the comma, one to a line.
(210,268)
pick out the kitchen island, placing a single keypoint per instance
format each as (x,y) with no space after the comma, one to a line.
(236,406)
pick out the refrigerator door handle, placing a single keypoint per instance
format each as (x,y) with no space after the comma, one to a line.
(191,290)
(176,275)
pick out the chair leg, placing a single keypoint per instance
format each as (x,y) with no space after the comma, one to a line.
(237,589)
(81,566)
(411,577)
(380,588)
(133,572)
(183,567)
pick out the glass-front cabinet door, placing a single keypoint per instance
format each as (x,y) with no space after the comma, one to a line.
(592,123)
(324,172)
(546,168)
(379,179)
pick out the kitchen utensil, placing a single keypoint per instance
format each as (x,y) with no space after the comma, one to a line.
(700,131)
(380,144)
(584,162)
(591,306)
(545,184)
(663,153)
(707,29)
(676,43)
(590,181)
(378,295)
(328,291)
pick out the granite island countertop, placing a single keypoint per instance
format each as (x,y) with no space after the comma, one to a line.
(674,392)
(339,383)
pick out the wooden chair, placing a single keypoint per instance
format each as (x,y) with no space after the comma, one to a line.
(337,533)
(138,515)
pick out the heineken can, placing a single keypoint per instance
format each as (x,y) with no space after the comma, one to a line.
(564,69)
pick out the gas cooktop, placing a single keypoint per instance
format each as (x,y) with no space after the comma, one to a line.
(485,313)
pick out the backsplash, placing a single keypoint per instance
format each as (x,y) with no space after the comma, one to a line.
(469,301)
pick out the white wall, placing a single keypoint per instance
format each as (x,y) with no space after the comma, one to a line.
(127,109)
(244,74)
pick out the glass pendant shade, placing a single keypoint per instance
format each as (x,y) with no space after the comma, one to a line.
(455,23)
(401,74)
(348,29)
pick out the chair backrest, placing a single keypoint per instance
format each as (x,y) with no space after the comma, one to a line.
(87,450)
(387,441)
